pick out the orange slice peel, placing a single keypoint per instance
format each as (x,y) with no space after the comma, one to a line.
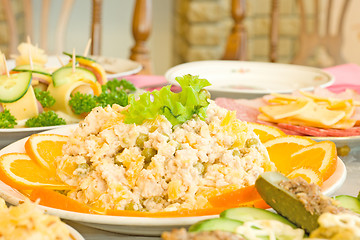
(308,174)
(44,148)
(19,171)
(281,148)
(321,156)
(265,132)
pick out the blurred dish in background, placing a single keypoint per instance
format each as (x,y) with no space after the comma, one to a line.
(117,67)
(114,67)
(238,79)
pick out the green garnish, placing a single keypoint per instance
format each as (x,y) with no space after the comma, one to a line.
(116,86)
(44,97)
(7,120)
(82,103)
(119,97)
(176,107)
(113,92)
(49,118)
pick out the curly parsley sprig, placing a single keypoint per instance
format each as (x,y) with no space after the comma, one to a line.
(49,118)
(82,103)
(44,97)
(7,120)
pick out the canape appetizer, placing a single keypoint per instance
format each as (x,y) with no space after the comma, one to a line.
(32,96)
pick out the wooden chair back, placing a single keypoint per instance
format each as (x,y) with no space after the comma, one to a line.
(237,41)
(13,30)
(141,27)
(309,41)
(319,37)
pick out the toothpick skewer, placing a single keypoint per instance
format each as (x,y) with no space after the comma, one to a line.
(30,59)
(60,61)
(86,52)
(73,60)
(28,39)
(6,67)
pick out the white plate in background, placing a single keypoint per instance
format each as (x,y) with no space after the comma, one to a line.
(133,225)
(118,67)
(242,79)
(114,67)
(10,135)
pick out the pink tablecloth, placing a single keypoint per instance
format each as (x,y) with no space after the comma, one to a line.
(346,76)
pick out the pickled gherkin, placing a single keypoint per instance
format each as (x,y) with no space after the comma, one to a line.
(285,202)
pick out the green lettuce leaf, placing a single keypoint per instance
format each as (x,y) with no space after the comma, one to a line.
(176,107)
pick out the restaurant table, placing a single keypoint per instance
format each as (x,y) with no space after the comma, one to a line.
(346,76)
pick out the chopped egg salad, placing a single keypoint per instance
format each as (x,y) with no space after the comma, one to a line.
(28,222)
(157,166)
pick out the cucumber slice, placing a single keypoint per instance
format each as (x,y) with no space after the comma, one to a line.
(223,224)
(36,69)
(349,202)
(14,87)
(79,56)
(245,214)
(65,75)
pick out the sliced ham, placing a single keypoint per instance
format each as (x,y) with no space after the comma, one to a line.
(347,94)
(248,110)
(321,132)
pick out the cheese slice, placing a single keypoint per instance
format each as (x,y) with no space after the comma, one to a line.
(62,95)
(320,115)
(287,110)
(342,124)
(24,108)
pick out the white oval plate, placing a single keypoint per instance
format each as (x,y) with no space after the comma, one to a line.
(10,135)
(114,67)
(118,67)
(75,235)
(352,142)
(133,225)
(242,79)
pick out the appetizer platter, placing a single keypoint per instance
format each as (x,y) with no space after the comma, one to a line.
(245,79)
(36,97)
(166,160)
(319,114)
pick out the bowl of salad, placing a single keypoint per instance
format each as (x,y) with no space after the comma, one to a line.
(34,98)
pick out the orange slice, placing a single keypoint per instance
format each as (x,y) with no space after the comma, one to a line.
(281,148)
(18,170)
(266,132)
(320,156)
(308,174)
(44,148)
(95,86)
(57,200)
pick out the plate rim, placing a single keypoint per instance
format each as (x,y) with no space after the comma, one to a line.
(138,68)
(32,129)
(329,76)
(119,220)
(349,138)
